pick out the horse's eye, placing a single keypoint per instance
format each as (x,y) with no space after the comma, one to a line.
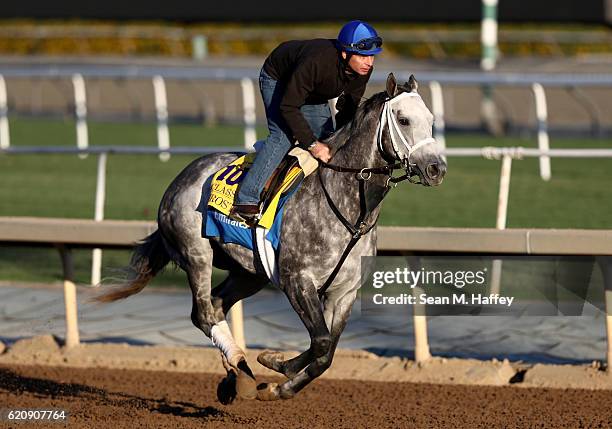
(404,121)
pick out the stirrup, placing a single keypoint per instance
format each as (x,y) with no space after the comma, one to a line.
(249,219)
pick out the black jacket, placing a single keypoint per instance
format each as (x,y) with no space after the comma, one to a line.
(312,72)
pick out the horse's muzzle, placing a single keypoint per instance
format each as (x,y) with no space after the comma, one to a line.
(434,173)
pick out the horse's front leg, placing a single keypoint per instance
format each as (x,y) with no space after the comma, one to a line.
(338,305)
(289,368)
(275,360)
(307,305)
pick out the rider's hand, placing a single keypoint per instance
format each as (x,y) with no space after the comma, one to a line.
(321,151)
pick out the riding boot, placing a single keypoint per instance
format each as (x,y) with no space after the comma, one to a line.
(247,213)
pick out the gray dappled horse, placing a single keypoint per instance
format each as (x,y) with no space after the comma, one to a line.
(391,130)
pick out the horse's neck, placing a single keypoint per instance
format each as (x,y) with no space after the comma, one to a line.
(359,151)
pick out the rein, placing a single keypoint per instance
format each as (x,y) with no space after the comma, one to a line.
(363,175)
(357,230)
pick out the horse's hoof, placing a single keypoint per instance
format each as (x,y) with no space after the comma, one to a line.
(268,392)
(226,389)
(271,360)
(246,386)
(285,392)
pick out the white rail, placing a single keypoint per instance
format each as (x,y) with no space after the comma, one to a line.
(158,74)
(80,232)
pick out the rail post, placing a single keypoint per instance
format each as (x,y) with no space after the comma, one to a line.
(488,35)
(70,301)
(161,108)
(421,341)
(248,105)
(502,215)
(608,298)
(605,263)
(237,325)
(199,47)
(96,263)
(332,108)
(488,61)
(437,105)
(419,317)
(80,111)
(504,192)
(542,118)
(5,141)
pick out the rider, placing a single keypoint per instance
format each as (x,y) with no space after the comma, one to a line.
(296,82)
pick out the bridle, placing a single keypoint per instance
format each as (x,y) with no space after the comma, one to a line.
(367,203)
(397,161)
(387,117)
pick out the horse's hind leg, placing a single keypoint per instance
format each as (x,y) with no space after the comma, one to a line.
(198,265)
(238,285)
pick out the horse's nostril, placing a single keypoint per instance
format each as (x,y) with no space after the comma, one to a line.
(433,171)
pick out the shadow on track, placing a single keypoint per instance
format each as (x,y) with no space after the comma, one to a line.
(11,381)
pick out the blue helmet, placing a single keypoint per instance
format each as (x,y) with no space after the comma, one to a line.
(360,38)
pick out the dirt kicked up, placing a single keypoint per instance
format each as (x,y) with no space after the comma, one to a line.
(119,398)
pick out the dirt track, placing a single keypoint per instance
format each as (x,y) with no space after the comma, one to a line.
(136,398)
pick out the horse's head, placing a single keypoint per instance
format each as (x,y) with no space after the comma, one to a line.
(405,133)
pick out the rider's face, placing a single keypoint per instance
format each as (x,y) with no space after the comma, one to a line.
(360,64)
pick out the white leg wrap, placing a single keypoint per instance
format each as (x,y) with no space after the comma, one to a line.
(221,337)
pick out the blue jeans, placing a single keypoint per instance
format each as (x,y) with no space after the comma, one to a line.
(279,141)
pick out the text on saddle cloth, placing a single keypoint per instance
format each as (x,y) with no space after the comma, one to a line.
(225,183)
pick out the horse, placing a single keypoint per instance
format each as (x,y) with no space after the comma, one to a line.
(321,245)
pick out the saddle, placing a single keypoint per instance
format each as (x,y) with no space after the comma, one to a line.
(296,165)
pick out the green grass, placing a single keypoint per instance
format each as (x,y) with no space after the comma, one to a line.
(64,185)
(578,196)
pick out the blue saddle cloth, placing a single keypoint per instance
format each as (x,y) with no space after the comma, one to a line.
(217,224)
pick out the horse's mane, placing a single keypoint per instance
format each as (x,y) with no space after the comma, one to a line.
(360,122)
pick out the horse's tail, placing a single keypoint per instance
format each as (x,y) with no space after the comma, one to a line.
(148,259)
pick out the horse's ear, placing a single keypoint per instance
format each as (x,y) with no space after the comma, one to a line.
(391,85)
(412,83)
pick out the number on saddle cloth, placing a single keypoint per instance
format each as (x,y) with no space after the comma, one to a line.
(224,188)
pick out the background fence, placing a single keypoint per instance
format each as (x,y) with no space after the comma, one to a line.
(158,77)
(209,95)
(156,80)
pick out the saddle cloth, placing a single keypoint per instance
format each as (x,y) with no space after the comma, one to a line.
(223,189)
